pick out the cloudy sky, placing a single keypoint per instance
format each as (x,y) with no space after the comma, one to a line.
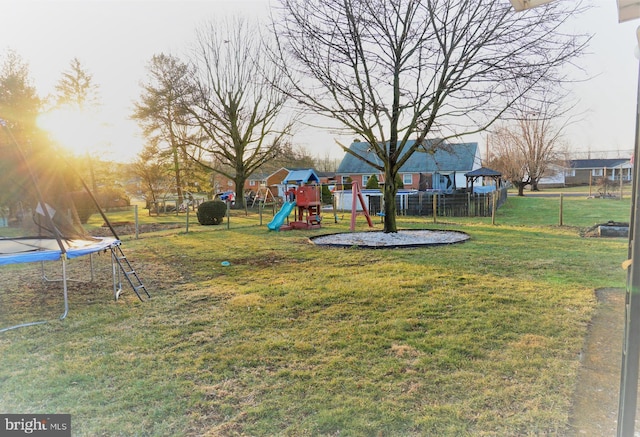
(115,39)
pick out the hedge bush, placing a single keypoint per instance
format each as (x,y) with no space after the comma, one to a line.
(212,212)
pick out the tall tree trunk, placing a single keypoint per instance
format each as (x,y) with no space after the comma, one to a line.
(389,193)
(239,180)
(176,169)
(534,186)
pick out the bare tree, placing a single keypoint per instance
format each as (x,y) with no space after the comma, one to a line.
(234,103)
(326,163)
(292,156)
(396,70)
(525,146)
(510,161)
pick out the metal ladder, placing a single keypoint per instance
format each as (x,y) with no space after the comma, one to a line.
(132,277)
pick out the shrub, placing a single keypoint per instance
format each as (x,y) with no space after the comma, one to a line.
(212,212)
(112,197)
(327,196)
(606,186)
(372,183)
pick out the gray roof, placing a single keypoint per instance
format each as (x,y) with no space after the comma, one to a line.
(448,157)
(597,163)
(483,171)
(326,174)
(258,176)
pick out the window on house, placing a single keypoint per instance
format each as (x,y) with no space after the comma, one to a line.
(596,172)
(407,179)
(345,180)
(570,172)
(365,179)
(252,183)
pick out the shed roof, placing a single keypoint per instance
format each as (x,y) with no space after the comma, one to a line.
(483,171)
(301,177)
(448,157)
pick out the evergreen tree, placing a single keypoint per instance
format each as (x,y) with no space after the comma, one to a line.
(373,183)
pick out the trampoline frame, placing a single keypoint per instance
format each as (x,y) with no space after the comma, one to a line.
(73,249)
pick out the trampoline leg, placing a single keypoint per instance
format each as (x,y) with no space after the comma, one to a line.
(115,274)
(64,286)
(91,265)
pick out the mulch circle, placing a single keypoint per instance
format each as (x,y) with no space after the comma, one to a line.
(390,240)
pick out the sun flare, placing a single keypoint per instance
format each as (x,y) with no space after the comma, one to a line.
(78,131)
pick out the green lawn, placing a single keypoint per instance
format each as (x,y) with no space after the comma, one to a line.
(576,211)
(480,338)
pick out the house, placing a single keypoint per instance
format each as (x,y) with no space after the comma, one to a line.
(221,183)
(255,181)
(554,176)
(441,169)
(327,178)
(586,171)
(274,181)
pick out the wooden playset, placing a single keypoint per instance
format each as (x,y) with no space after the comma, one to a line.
(308,204)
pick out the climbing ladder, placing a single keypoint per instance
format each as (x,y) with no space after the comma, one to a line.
(125,267)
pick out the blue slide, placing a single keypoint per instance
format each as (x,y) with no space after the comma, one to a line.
(281,216)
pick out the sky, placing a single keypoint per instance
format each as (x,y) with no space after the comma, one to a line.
(115,39)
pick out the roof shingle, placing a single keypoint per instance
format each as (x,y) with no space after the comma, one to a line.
(449,157)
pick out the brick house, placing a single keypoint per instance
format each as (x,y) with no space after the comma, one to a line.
(443,169)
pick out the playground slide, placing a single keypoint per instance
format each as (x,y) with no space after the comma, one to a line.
(280,217)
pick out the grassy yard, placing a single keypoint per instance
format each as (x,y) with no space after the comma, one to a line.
(612,189)
(480,338)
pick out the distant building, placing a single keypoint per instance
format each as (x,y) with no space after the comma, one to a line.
(587,171)
(584,171)
(443,169)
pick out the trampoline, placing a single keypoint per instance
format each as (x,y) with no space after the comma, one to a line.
(36,249)
(41,195)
